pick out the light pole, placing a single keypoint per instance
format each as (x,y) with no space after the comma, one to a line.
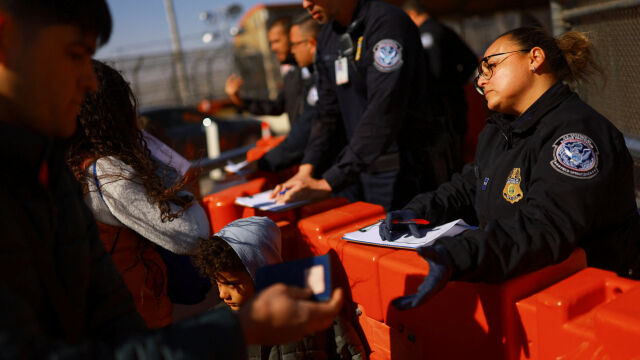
(178,58)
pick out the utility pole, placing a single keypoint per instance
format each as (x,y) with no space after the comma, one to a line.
(178,59)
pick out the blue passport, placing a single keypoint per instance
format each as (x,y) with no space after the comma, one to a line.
(313,273)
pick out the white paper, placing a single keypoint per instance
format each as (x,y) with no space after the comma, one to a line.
(235,168)
(165,154)
(263,202)
(371,235)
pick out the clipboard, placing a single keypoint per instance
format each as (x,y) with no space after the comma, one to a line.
(262,201)
(370,235)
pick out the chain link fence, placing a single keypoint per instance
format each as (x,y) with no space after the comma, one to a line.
(614,34)
(153,77)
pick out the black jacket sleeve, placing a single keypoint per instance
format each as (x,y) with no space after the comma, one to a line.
(213,335)
(265,107)
(452,200)
(291,150)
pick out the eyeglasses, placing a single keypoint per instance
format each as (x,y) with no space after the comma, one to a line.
(486,70)
(296,43)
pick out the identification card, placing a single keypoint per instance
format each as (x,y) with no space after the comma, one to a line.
(342,71)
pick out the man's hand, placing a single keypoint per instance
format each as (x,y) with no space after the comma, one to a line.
(232,88)
(301,188)
(387,226)
(281,314)
(440,269)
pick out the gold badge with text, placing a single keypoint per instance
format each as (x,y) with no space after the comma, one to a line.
(512,192)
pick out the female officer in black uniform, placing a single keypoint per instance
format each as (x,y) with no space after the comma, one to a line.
(551,174)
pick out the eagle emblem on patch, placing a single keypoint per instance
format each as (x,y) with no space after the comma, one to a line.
(512,191)
(387,55)
(312,96)
(576,156)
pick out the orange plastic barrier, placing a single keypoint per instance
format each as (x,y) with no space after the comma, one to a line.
(263,146)
(466,320)
(221,208)
(593,314)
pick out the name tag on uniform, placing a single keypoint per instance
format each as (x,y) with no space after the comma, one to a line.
(342,71)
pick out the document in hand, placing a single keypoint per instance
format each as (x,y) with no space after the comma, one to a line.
(371,235)
(237,168)
(313,273)
(263,202)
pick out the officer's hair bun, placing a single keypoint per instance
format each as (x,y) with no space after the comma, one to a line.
(569,57)
(578,53)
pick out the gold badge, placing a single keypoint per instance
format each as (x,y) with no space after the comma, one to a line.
(512,192)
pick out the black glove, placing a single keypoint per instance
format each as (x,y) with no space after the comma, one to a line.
(440,268)
(387,226)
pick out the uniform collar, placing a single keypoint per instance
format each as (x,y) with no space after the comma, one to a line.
(551,98)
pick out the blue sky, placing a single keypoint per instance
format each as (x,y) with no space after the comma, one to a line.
(140,26)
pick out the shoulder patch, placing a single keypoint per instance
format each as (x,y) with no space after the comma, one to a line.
(387,55)
(576,156)
(312,96)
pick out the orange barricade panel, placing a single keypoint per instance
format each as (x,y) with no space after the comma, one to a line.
(618,324)
(263,146)
(465,319)
(323,231)
(221,208)
(593,314)
(380,337)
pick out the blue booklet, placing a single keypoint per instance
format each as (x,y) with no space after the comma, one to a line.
(313,273)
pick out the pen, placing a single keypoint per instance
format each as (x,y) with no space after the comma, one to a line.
(283,191)
(410,221)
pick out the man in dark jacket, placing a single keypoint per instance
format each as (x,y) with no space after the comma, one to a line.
(450,63)
(60,294)
(371,86)
(291,151)
(292,82)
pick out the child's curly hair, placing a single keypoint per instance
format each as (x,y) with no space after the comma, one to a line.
(214,255)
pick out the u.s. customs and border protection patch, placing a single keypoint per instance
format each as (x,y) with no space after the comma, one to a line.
(512,191)
(387,55)
(576,156)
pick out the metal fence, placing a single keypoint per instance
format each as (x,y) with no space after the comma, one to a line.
(614,28)
(153,77)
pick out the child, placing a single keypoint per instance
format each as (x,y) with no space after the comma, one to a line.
(230,259)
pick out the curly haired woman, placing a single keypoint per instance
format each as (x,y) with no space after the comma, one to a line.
(136,200)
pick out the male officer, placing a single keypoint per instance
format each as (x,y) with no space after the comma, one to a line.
(303,47)
(450,64)
(292,83)
(371,85)
(60,294)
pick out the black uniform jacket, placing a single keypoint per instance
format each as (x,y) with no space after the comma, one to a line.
(383,107)
(60,294)
(558,177)
(287,100)
(450,63)
(291,150)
